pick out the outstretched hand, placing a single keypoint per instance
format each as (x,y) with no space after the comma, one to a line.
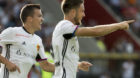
(130,21)
(84,66)
(12,67)
(125,24)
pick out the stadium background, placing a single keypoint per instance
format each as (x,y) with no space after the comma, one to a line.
(112,56)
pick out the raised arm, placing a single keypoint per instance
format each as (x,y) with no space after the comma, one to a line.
(102,30)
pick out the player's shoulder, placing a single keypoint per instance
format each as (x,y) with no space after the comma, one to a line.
(37,37)
(11,29)
(65,23)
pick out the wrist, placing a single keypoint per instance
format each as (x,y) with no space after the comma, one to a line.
(116,26)
(121,26)
(79,63)
(6,62)
(3,60)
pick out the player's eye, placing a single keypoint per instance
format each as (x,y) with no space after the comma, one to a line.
(39,15)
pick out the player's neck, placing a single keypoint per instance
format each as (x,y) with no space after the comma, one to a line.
(69,18)
(28,28)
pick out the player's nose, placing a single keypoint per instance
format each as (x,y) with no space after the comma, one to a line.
(42,19)
(83,14)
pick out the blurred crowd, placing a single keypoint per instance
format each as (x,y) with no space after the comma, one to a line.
(9,12)
(9,17)
(127,9)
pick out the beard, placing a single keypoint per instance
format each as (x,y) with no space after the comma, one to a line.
(77,21)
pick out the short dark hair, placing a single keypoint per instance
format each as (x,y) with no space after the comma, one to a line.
(67,5)
(28,10)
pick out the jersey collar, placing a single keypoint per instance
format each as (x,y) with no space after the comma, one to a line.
(26,30)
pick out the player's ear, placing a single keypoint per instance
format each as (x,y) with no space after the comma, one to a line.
(73,12)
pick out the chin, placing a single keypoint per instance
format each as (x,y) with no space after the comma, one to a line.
(78,23)
(39,28)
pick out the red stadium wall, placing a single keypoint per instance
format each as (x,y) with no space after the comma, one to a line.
(95,11)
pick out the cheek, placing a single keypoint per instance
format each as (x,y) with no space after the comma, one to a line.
(36,23)
(80,16)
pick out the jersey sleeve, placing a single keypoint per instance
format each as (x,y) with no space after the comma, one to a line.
(41,55)
(69,30)
(6,37)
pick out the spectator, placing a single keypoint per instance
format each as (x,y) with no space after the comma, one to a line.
(128,69)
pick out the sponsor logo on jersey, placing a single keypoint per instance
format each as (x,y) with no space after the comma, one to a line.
(22,35)
(18,52)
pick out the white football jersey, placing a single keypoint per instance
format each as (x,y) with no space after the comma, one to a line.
(66,50)
(22,49)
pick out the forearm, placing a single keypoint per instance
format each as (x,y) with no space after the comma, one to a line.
(102,30)
(3,60)
(48,67)
(99,30)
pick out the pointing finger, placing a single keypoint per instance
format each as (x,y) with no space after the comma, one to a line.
(130,21)
(18,69)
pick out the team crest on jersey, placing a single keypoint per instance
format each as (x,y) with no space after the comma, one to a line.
(38,47)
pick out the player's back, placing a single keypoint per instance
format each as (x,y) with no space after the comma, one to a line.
(65,49)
